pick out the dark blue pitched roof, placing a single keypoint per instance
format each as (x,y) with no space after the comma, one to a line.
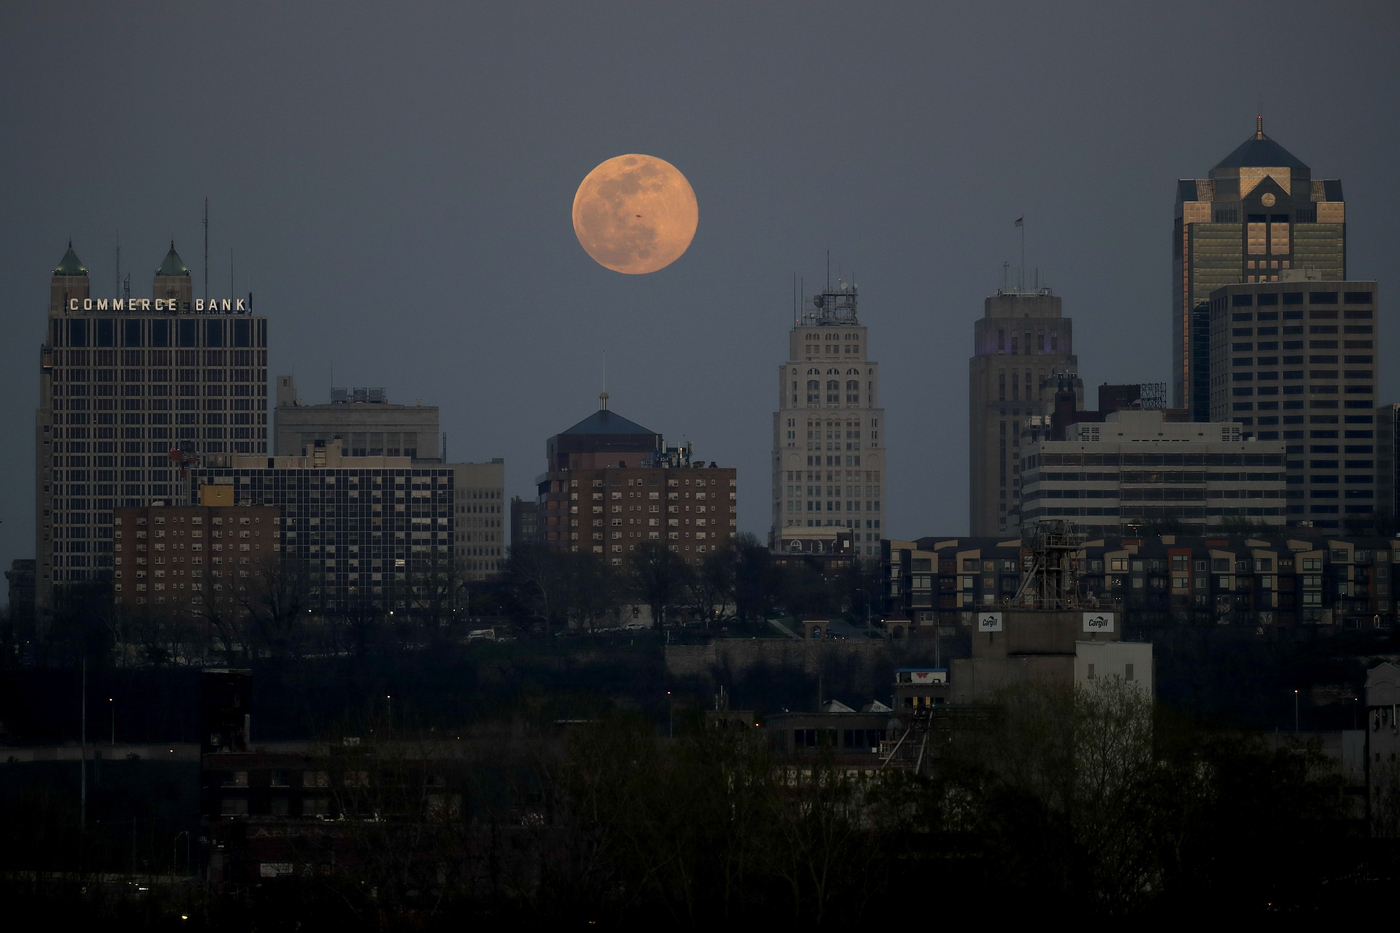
(608,422)
(1260,151)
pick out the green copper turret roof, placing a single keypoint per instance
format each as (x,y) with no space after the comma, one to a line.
(71,264)
(173,264)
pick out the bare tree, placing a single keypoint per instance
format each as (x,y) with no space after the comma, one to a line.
(219,608)
(276,602)
(712,585)
(660,576)
(436,589)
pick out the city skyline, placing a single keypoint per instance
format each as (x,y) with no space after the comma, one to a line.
(400,285)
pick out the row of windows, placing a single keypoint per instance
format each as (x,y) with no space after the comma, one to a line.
(221,358)
(1313,389)
(1150,494)
(149,332)
(237,372)
(1154,478)
(1271,375)
(1298,344)
(852,506)
(1266,299)
(1078,459)
(1314,359)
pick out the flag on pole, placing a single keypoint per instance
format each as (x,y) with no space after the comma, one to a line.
(1019,220)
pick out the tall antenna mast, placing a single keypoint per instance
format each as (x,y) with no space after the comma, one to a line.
(119,263)
(206,251)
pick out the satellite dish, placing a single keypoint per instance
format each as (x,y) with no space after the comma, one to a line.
(817,301)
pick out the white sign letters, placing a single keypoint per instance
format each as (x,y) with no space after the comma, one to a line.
(198,306)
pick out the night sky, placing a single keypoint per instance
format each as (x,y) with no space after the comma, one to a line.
(395,182)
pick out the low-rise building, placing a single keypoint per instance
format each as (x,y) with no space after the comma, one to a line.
(1285,578)
(1015,648)
(1137,469)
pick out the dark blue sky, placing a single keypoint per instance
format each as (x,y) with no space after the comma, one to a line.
(395,182)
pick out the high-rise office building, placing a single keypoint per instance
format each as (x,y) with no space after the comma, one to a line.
(122,381)
(613,485)
(1387,466)
(365,419)
(828,432)
(1258,213)
(1020,342)
(1296,360)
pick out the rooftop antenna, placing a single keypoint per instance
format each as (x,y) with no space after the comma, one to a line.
(206,251)
(1021,222)
(231,292)
(828,270)
(794,299)
(119,262)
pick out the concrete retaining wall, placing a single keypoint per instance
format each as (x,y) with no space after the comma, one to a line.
(737,655)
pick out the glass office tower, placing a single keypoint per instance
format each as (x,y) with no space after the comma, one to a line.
(1259,212)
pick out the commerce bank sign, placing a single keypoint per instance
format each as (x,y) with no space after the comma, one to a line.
(198,306)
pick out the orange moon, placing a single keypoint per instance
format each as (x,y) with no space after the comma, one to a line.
(635,214)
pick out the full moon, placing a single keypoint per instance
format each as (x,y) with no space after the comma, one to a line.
(635,214)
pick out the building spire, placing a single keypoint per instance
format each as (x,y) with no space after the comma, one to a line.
(602,401)
(1259,127)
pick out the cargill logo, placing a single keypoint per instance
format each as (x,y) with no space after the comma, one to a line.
(1098,622)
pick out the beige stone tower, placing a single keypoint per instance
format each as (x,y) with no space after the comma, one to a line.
(1021,339)
(828,432)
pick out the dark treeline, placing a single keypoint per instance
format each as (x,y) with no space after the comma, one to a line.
(1086,804)
(1216,677)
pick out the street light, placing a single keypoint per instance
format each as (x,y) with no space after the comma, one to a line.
(671,714)
(390,698)
(112,705)
(1295,710)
